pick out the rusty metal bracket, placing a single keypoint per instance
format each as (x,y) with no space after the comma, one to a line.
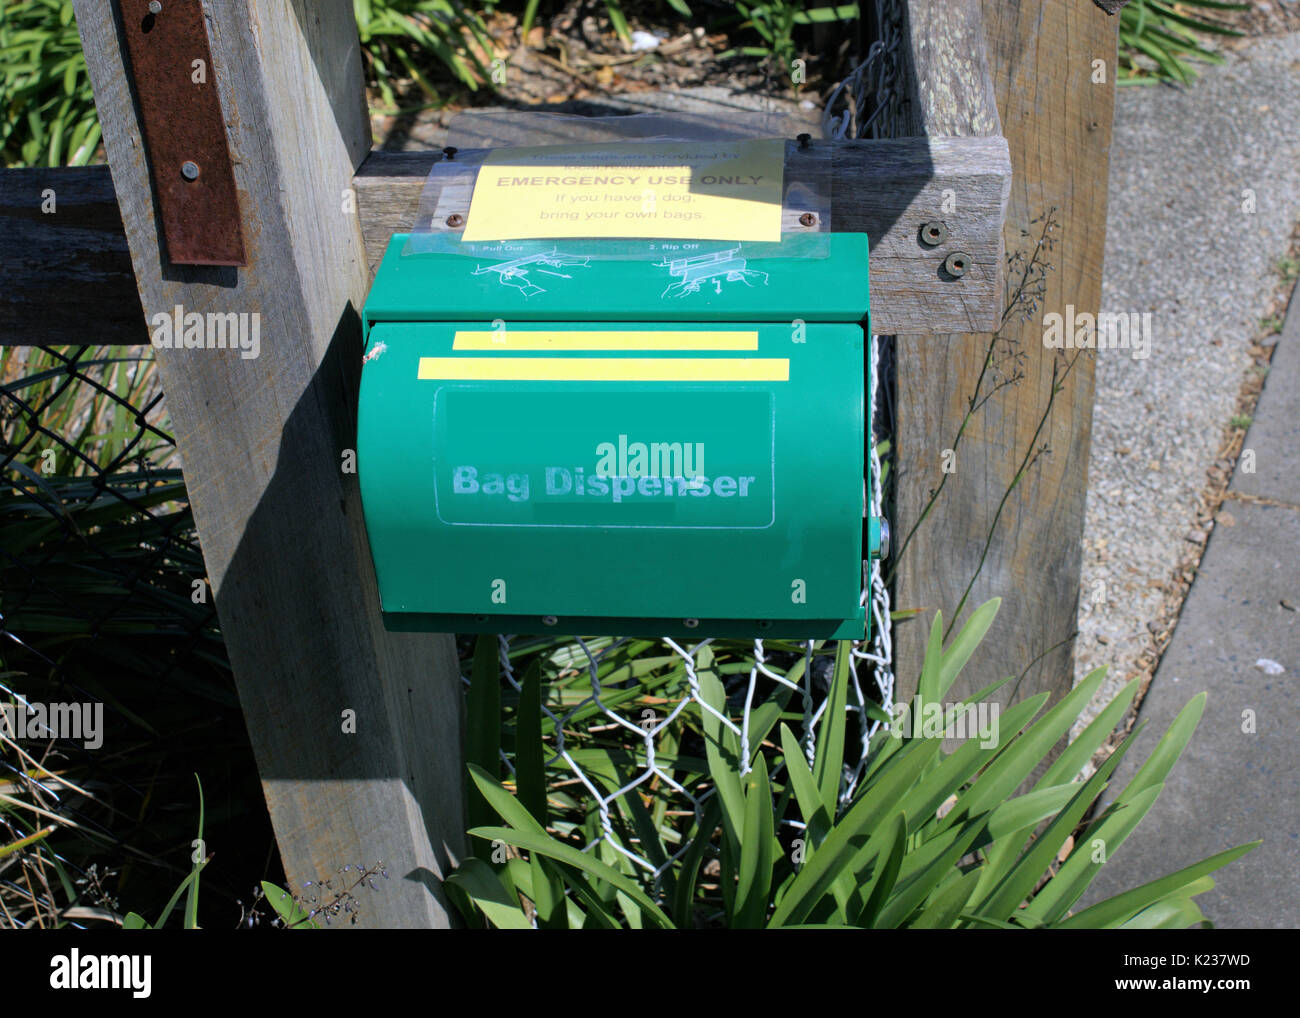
(184,131)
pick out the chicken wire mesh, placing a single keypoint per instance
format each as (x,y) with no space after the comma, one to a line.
(869,102)
(802,671)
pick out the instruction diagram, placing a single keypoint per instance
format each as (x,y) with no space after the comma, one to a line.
(516,271)
(717,267)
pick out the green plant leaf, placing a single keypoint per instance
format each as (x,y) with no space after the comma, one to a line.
(927,685)
(840,848)
(882,881)
(925,869)
(1014,765)
(192,895)
(1027,811)
(722,747)
(1167,914)
(1077,872)
(945,905)
(1013,889)
(828,763)
(1119,909)
(499,799)
(1170,747)
(561,852)
(1076,755)
(758,847)
(960,767)
(814,813)
(1115,825)
(615,11)
(483,731)
(530,753)
(684,896)
(477,879)
(963,645)
(294,915)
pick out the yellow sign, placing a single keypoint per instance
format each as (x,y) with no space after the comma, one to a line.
(728,190)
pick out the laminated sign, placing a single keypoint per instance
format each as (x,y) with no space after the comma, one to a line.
(552,436)
(683,190)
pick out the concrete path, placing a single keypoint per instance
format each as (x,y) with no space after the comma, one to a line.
(1238,638)
(1181,243)
(1185,165)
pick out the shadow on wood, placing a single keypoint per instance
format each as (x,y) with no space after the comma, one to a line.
(341,714)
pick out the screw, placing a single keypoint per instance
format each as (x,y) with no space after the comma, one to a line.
(691,623)
(807,219)
(455,219)
(190,170)
(764,624)
(933,233)
(480,618)
(450,153)
(549,620)
(804,139)
(155,7)
(956,264)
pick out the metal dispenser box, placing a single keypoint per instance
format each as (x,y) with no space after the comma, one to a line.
(656,448)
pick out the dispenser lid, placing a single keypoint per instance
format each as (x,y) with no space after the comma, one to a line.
(689,281)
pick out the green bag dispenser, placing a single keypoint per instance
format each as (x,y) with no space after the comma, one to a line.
(548,441)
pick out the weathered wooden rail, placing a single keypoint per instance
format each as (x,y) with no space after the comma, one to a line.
(886,189)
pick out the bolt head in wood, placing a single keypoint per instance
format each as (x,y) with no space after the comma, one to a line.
(957,263)
(190,170)
(455,220)
(933,233)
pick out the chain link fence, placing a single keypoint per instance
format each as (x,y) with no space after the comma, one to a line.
(103,608)
(98,538)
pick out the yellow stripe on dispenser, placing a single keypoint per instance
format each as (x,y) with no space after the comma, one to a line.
(623,339)
(605,369)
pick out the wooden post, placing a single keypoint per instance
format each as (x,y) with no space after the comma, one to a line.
(265,443)
(1026,438)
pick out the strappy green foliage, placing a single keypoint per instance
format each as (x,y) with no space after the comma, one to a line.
(927,839)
